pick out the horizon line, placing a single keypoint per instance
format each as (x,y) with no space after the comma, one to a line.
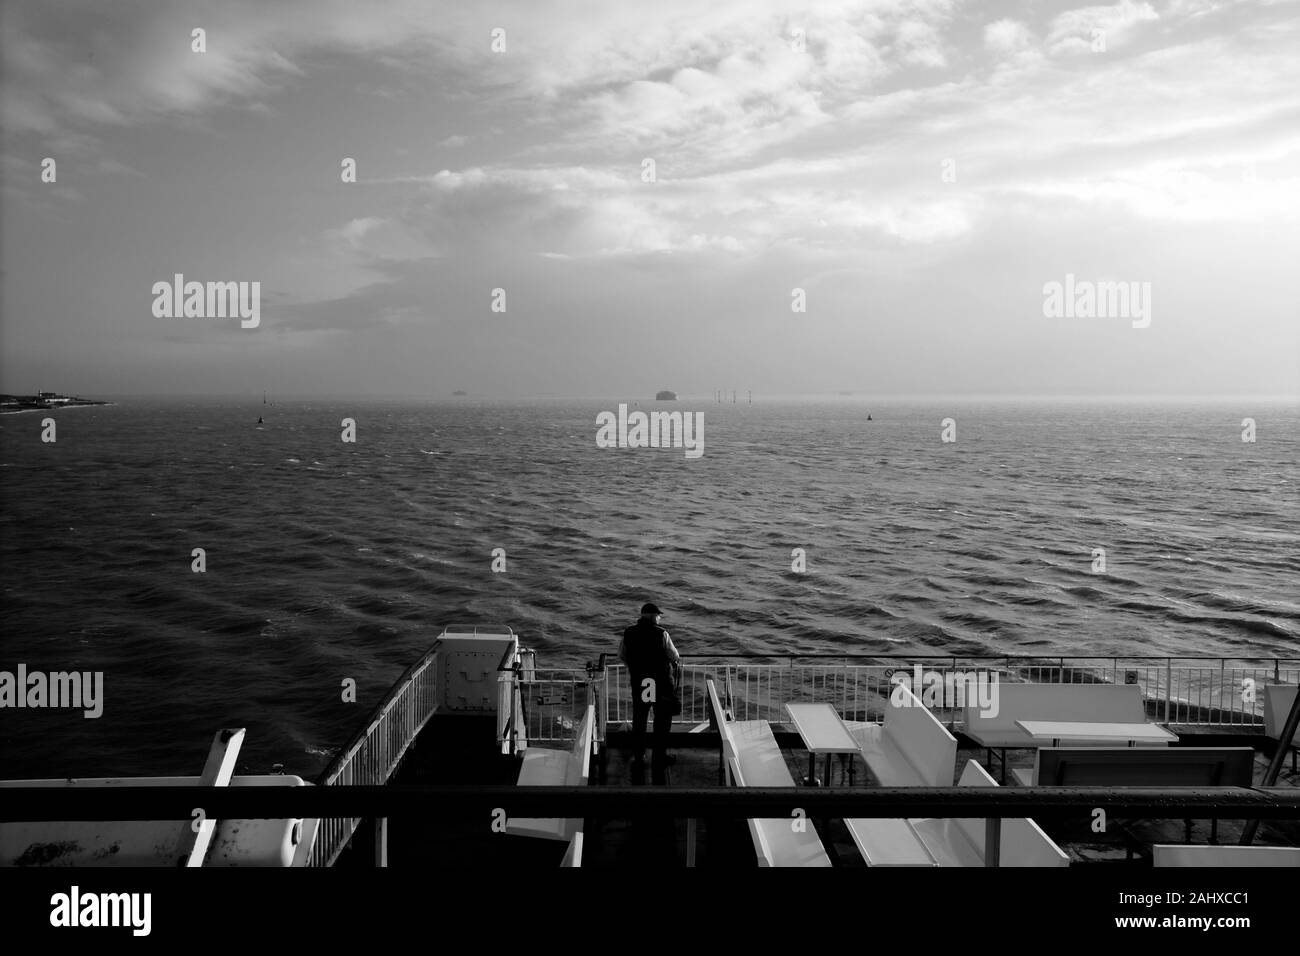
(709,397)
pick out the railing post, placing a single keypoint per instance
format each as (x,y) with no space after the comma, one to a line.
(381,841)
(1222,664)
(993,841)
(1169,684)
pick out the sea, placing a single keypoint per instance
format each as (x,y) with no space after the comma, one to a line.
(1061,528)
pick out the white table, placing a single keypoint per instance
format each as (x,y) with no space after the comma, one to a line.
(1058,730)
(823,733)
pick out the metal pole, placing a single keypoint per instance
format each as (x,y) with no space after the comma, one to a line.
(381,841)
(1169,684)
(993,841)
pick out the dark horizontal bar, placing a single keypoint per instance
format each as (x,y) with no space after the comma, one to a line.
(178,803)
(1056,661)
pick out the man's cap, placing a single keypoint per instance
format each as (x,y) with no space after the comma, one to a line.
(649,610)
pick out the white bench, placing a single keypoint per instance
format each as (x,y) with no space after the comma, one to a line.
(1278,700)
(961,842)
(1131,767)
(753,759)
(1100,703)
(910,749)
(1176,855)
(557,768)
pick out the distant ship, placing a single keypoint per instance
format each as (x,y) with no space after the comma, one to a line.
(665,396)
(460,392)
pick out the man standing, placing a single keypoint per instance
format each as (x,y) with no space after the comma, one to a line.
(652,662)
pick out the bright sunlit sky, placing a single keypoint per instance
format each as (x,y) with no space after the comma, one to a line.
(1154,142)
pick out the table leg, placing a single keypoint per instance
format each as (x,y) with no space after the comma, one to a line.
(828,770)
(812,769)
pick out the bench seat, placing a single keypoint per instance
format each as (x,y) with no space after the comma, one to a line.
(910,749)
(753,759)
(758,754)
(556,768)
(1176,855)
(889,842)
(960,842)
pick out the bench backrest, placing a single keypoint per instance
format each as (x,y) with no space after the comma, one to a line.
(573,855)
(1145,767)
(1023,841)
(920,738)
(578,772)
(1110,703)
(715,705)
(1278,700)
(728,742)
(1179,855)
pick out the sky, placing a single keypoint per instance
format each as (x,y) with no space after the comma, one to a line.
(656,189)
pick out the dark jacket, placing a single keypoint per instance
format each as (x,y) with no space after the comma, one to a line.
(648,652)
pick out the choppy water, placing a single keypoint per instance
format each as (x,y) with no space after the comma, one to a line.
(328,560)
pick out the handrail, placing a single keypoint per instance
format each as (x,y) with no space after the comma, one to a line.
(376,749)
(479,803)
(1180,691)
(331,771)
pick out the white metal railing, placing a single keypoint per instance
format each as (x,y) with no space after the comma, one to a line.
(1198,691)
(1212,692)
(554,701)
(375,753)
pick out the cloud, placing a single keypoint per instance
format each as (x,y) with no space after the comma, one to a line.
(636,72)
(355,230)
(1174,192)
(1007,36)
(1084,29)
(584,212)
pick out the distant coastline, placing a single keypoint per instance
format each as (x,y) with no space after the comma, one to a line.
(43,402)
